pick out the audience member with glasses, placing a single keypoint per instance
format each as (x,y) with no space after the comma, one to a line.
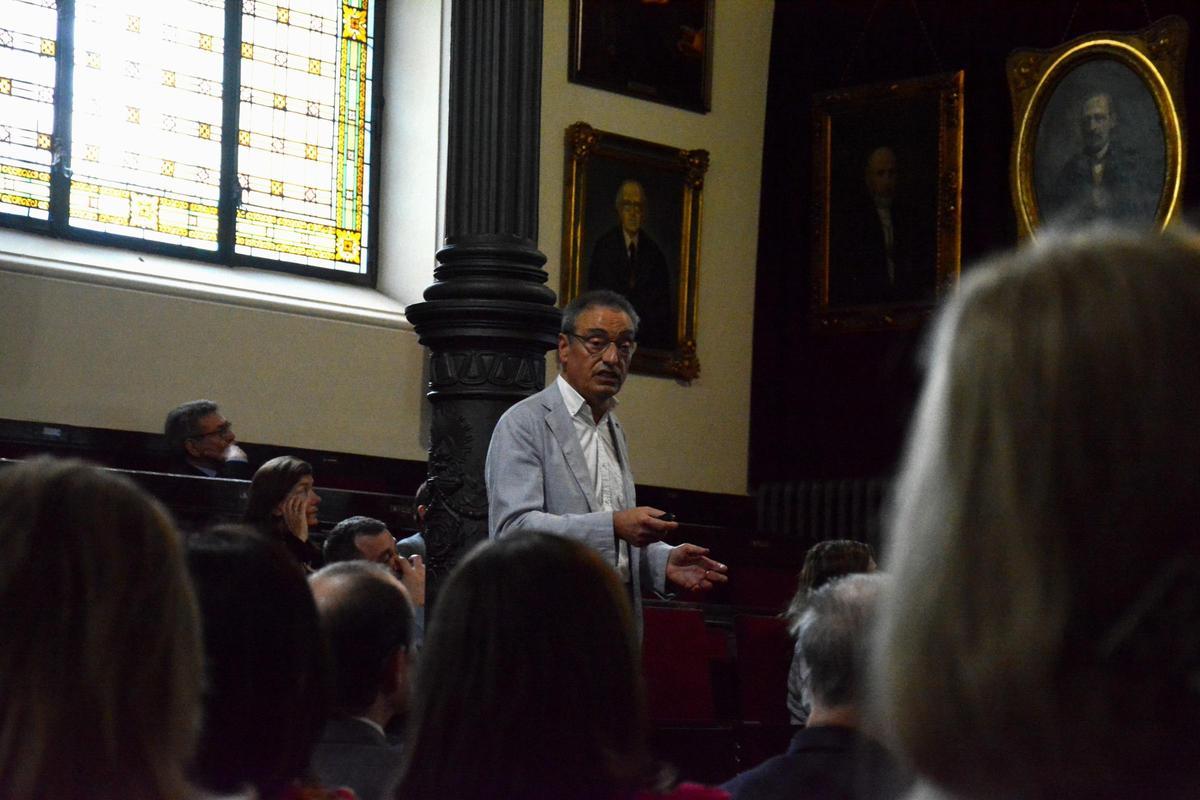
(203,442)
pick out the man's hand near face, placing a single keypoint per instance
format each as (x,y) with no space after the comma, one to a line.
(233,453)
(411,572)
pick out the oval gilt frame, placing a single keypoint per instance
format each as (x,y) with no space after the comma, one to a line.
(1154,54)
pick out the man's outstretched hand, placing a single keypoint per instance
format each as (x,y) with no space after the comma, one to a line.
(690,568)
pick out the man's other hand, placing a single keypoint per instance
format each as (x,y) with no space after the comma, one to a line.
(412,575)
(690,568)
(234,453)
(640,526)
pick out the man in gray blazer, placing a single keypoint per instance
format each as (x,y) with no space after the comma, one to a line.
(558,461)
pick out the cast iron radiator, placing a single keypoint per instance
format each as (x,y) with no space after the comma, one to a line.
(815,510)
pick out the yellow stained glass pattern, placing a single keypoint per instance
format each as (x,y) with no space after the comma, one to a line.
(27,77)
(143,103)
(305,106)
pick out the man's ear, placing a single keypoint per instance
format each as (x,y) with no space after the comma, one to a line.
(189,447)
(564,345)
(395,673)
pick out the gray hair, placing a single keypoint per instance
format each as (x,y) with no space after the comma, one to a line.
(1052,471)
(183,422)
(597,298)
(834,632)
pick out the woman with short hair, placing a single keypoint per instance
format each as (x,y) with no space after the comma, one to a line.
(282,504)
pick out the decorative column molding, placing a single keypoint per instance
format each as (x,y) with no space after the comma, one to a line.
(488,318)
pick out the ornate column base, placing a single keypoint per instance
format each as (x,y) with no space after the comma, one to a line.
(488,321)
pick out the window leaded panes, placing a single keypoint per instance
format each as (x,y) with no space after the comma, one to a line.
(147,99)
(27,49)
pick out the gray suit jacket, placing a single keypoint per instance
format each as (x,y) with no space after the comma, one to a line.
(537,480)
(351,753)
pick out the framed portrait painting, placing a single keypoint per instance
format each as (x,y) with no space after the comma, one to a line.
(660,51)
(631,223)
(887,185)
(1098,129)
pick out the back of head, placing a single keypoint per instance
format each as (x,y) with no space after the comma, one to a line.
(529,683)
(183,422)
(366,617)
(100,661)
(836,629)
(266,698)
(1052,474)
(824,562)
(271,483)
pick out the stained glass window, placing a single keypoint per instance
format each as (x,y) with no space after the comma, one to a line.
(144,154)
(27,48)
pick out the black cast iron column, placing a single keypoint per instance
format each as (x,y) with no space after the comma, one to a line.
(488,318)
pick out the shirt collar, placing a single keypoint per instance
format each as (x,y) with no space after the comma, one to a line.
(574,400)
(209,471)
(373,724)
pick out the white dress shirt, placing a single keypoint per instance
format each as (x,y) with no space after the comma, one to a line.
(599,448)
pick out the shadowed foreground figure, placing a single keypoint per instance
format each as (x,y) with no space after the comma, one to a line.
(267,691)
(368,624)
(1044,636)
(831,758)
(100,653)
(529,685)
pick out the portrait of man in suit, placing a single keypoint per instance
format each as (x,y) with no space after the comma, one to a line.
(1106,178)
(880,251)
(626,260)
(1100,149)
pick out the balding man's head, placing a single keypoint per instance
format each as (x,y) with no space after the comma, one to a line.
(368,621)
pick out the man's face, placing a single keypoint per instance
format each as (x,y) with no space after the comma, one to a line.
(630,208)
(881,174)
(378,547)
(209,444)
(1097,123)
(597,377)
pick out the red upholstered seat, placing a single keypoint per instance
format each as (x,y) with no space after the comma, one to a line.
(676,655)
(762,587)
(764,654)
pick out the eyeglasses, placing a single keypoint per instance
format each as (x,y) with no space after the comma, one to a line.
(597,345)
(222,431)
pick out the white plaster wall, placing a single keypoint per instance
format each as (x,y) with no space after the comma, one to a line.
(115,358)
(692,437)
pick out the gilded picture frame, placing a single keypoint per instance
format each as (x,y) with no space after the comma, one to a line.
(1098,129)
(657,51)
(887,189)
(607,176)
